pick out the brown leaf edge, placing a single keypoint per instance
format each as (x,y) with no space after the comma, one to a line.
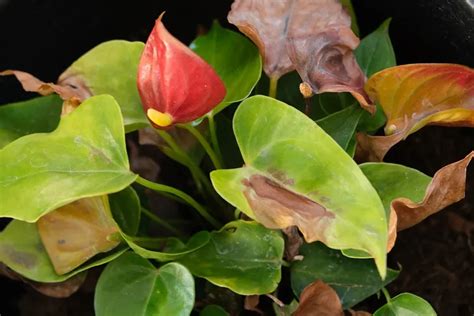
(57,290)
(448,186)
(318,298)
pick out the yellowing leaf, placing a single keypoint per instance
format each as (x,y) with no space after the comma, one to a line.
(76,232)
(312,36)
(413,96)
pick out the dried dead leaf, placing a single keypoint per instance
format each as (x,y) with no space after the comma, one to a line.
(359,313)
(76,232)
(251,302)
(66,91)
(293,242)
(312,36)
(447,187)
(58,290)
(320,299)
(392,230)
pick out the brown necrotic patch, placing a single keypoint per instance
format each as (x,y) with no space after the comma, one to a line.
(275,206)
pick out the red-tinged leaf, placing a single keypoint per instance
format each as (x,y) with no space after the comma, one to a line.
(312,36)
(76,232)
(32,84)
(175,84)
(318,298)
(416,95)
(447,187)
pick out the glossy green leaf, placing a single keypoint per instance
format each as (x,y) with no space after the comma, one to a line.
(22,251)
(235,59)
(213,310)
(111,68)
(125,207)
(406,304)
(243,256)
(38,115)
(173,248)
(287,152)
(85,156)
(353,279)
(341,126)
(394,181)
(375,51)
(131,285)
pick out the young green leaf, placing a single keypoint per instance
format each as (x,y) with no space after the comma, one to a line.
(125,207)
(38,115)
(131,285)
(297,175)
(85,156)
(235,59)
(22,251)
(243,256)
(341,126)
(353,279)
(406,304)
(111,68)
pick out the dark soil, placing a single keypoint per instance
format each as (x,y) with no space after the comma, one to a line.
(44,37)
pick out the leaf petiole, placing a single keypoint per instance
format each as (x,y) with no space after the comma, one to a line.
(160,222)
(204,143)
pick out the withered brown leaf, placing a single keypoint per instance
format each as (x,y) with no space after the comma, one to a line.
(312,36)
(447,187)
(318,298)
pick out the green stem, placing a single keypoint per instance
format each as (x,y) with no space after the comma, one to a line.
(185,197)
(386,294)
(273,87)
(161,222)
(204,143)
(214,139)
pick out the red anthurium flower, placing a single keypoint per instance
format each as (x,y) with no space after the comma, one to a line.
(175,84)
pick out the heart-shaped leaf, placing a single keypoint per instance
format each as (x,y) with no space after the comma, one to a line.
(38,115)
(243,256)
(110,68)
(406,304)
(353,279)
(125,207)
(297,175)
(413,96)
(74,233)
(84,157)
(235,59)
(131,285)
(22,251)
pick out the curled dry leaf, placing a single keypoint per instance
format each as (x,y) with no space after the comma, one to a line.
(359,313)
(56,289)
(293,242)
(66,91)
(251,302)
(392,229)
(447,187)
(312,36)
(74,233)
(416,95)
(318,298)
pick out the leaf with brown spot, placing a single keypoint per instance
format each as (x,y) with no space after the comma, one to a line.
(74,233)
(413,96)
(320,299)
(297,175)
(312,36)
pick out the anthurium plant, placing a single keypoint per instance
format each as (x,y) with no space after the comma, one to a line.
(283,170)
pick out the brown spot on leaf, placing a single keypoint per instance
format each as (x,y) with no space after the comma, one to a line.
(447,187)
(24,259)
(320,299)
(276,207)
